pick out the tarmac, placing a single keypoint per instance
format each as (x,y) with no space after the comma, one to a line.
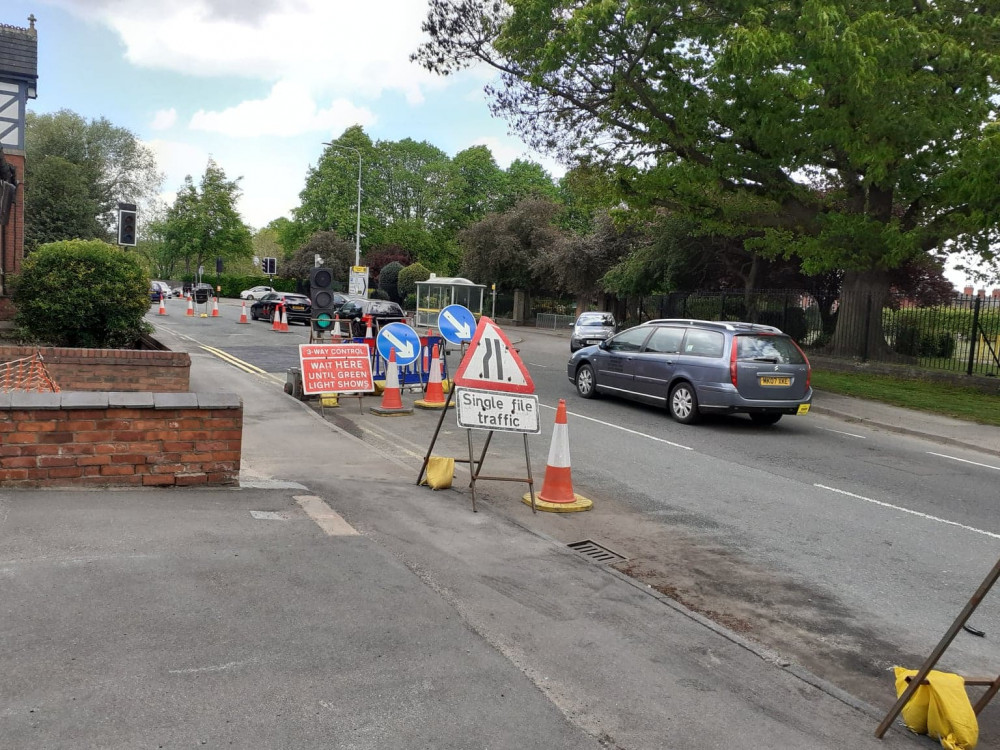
(329,602)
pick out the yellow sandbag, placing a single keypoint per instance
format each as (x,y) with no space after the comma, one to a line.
(440,472)
(940,709)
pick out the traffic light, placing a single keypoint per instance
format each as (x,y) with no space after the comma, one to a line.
(269,266)
(323,300)
(127,233)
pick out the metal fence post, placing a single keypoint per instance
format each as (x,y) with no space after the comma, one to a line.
(868,328)
(972,336)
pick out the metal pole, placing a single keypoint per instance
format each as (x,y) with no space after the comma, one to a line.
(972,336)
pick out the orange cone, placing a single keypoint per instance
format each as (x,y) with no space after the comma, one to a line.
(190,306)
(557,488)
(276,318)
(163,309)
(392,402)
(337,335)
(243,313)
(284,318)
(368,326)
(215,307)
(434,398)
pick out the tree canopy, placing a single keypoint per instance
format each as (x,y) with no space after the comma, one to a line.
(853,136)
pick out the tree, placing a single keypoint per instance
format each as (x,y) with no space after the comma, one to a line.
(525,179)
(203,223)
(388,280)
(109,164)
(406,281)
(855,136)
(336,252)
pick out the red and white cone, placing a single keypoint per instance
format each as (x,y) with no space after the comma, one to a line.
(163,309)
(243,313)
(336,335)
(434,398)
(284,318)
(392,401)
(190,306)
(557,488)
(215,307)
(276,318)
(368,327)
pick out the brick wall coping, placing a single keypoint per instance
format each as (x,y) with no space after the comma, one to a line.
(67,355)
(118,399)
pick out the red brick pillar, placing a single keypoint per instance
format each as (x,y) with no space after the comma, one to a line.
(13,238)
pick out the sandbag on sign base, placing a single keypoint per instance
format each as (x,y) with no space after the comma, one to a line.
(440,472)
(941,709)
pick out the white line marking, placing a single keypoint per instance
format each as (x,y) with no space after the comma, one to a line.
(535,364)
(911,512)
(325,517)
(849,434)
(623,429)
(964,461)
(195,670)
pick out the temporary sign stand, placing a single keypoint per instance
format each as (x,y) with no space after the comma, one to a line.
(508,406)
(932,660)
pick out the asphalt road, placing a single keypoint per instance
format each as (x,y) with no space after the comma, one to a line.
(795,535)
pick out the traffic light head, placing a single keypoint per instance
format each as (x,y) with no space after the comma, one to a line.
(126,227)
(323,300)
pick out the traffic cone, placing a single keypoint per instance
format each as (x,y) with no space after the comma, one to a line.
(163,309)
(284,318)
(337,335)
(557,494)
(190,306)
(276,318)
(434,398)
(243,313)
(392,402)
(215,307)
(368,326)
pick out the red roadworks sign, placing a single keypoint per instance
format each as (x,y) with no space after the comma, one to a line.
(492,364)
(335,368)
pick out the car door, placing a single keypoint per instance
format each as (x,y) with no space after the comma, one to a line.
(654,365)
(614,362)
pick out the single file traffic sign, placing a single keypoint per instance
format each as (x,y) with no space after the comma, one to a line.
(456,323)
(400,337)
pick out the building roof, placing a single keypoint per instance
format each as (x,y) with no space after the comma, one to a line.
(19,52)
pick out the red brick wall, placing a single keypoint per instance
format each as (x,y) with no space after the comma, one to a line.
(60,440)
(13,244)
(110,369)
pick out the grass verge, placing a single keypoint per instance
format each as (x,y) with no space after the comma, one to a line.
(937,398)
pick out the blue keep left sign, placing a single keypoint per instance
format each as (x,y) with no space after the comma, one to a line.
(457,323)
(400,337)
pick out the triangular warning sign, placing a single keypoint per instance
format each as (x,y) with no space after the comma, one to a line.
(491,363)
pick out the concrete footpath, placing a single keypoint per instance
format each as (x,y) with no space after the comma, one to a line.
(330,603)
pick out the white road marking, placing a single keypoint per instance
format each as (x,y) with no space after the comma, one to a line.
(964,461)
(325,517)
(839,432)
(535,364)
(623,429)
(195,670)
(911,512)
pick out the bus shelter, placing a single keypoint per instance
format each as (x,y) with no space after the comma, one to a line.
(437,293)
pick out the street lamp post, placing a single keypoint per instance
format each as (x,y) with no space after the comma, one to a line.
(357,231)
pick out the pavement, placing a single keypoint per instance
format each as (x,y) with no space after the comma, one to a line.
(329,602)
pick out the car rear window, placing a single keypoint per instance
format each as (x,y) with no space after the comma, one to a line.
(595,320)
(704,343)
(780,350)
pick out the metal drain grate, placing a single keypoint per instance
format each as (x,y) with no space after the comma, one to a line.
(596,552)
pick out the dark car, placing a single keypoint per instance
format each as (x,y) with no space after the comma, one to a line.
(591,328)
(298,308)
(696,366)
(382,312)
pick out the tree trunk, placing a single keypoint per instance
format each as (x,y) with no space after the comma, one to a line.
(859,317)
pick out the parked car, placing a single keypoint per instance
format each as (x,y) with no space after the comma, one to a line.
(695,367)
(382,312)
(298,308)
(591,328)
(256,292)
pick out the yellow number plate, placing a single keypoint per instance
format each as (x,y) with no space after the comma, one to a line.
(776,381)
(803,409)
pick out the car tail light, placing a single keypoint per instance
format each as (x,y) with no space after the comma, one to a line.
(732,363)
(809,369)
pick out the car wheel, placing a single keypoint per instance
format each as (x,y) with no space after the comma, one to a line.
(684,403)
(253,314)
(586,383)
(251,297)
(765,418)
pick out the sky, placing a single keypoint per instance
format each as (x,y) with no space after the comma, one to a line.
(257,85)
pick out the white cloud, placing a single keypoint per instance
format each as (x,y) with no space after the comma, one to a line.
(178,159)
(288,110)
(507,150)
(164,119)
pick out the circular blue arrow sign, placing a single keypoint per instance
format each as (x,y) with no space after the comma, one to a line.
(457,323)
(400,337)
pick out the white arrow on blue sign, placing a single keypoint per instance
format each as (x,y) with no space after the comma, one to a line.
(400,337)
(456,323)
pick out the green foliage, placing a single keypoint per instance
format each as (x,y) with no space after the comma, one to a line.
(82,293)
(410,301)
(337,254)
(406,280)
(388,280)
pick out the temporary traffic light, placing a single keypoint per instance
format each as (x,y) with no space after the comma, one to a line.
(323,300)
(126,224)
(269,266)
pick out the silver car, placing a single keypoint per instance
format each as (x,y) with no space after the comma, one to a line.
(696,366)
(591,328)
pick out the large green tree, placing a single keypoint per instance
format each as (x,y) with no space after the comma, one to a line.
(77,170)
(856,136)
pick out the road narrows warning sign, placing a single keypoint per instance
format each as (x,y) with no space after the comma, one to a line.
(491,363)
